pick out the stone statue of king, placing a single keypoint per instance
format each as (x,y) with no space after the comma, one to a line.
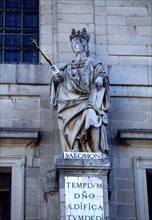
(80,93)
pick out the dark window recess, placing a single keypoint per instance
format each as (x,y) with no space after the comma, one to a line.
(19,22)
(5,193)
(149,190)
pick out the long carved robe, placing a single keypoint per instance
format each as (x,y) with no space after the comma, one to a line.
(74,95)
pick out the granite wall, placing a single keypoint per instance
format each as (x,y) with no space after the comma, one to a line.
(121,39)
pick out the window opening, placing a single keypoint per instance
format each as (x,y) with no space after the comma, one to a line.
(149,190)
(19,22)
(5,193)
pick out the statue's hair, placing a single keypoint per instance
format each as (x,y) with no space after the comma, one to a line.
(86,46)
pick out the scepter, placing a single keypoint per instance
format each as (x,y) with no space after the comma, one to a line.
(34,43)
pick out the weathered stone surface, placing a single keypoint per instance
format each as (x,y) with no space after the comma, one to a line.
(33,196)
(127,11)
(120,38)
(62,8)
(144,30)
(130,50)
(25,90)
(33,172)
(123,184)
(130,91)
(8,73)
(15,109)
(140,40)
(32,183)
(145,21)
(125,173)
(121,30)
(74,18)
(33,211)
(51,182)
(124,197)
(30,74)
(135,60)
(125,210)
(100,10)
(128,74)
(52,207)
(116,20)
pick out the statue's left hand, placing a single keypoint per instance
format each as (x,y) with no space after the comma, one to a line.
(99,82)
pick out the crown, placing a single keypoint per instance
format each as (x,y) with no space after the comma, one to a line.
(80,34)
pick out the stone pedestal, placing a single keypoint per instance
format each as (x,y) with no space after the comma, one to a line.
(83,186)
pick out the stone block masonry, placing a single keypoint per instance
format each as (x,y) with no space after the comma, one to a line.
(121,39)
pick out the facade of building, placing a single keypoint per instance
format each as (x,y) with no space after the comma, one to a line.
(121,34)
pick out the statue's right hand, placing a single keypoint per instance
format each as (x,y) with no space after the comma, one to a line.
(55,70)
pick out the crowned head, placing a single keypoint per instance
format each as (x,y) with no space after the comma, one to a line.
(80,34)
(81,37)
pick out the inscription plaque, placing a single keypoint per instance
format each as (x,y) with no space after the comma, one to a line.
(84,198)
(84,155)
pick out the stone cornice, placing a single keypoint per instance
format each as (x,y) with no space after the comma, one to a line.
(134,134)
(19,134)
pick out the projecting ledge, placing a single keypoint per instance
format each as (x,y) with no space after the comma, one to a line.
(134,134)
(19,134)
(82,164)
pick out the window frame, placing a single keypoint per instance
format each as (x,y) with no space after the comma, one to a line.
(5,189)
(141,164)
(21,32)
(17,164)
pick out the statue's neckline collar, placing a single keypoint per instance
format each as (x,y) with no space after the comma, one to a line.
(79,61)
